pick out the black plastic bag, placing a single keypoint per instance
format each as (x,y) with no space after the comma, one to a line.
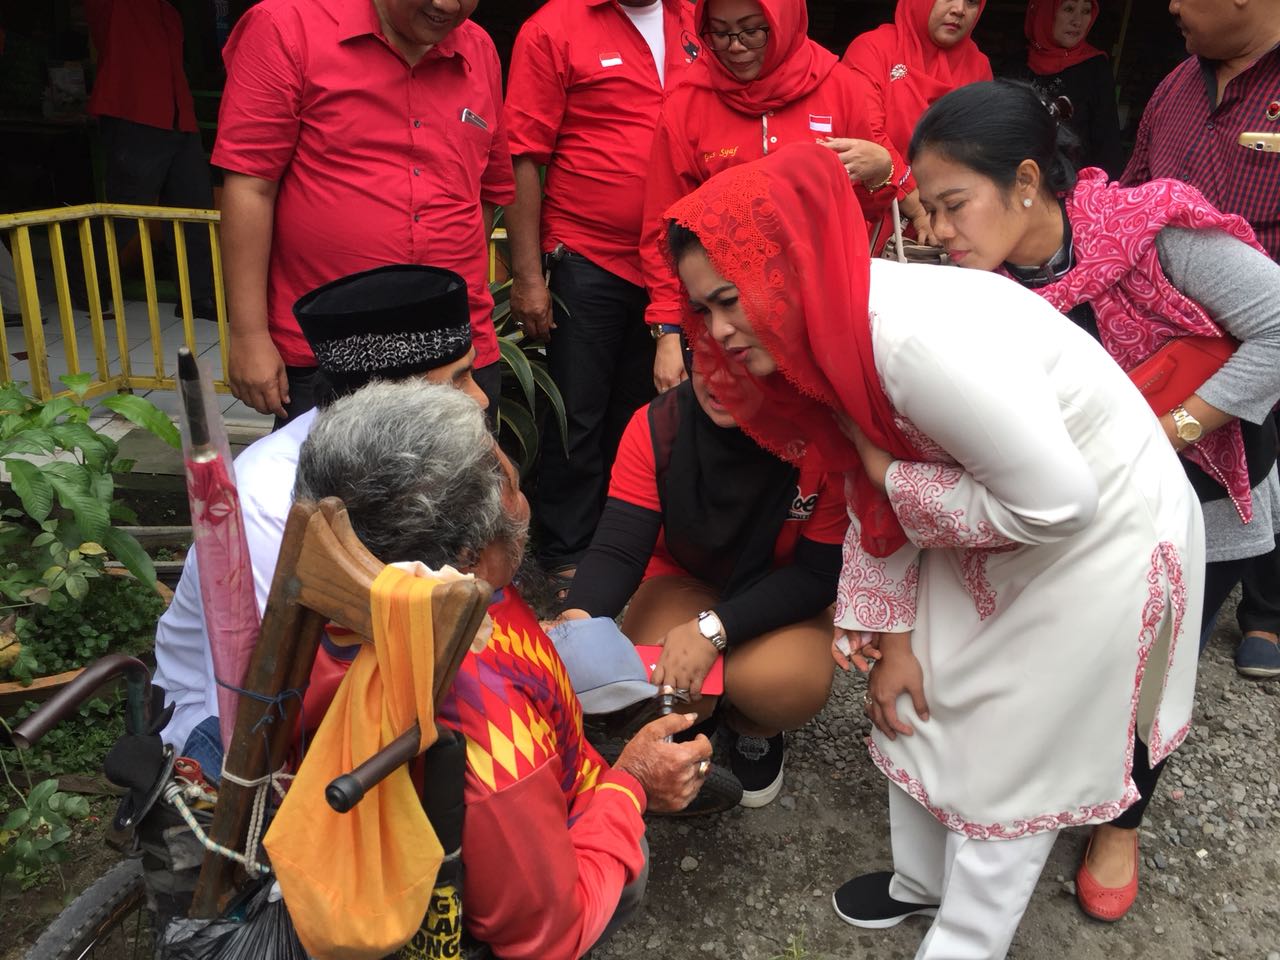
(258,928)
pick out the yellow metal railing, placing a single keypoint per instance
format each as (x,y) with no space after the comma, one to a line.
(108,376)
(94,226)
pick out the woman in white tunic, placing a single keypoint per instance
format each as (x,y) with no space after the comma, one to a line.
(1025,549)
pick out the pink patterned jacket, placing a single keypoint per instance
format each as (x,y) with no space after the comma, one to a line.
(1117,270)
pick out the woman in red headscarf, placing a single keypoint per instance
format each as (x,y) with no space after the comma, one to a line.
(924,54)
(758,83)
(1024,550)
(1062,63)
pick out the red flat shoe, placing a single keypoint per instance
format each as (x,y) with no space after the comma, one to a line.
(1108,904)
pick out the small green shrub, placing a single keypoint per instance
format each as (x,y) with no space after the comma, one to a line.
(34,835)
(76,745)
(117,615)
(56,542)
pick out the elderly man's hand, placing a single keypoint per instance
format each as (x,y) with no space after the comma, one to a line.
(671,773)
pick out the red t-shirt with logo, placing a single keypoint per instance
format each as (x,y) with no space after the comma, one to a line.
(818,510)
(583,97)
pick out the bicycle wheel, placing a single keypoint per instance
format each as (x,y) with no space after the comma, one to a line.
(109,919)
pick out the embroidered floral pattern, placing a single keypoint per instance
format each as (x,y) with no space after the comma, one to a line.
(1165,557)
(898,72)
(1138,310)
(917,493)
(974,567)
(1097,813)
(927,447)
(867,593)
(1165,588)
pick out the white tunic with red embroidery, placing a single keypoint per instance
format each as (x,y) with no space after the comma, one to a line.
(1054,573)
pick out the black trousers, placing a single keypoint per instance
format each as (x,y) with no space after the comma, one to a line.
(307,387)
(149,165)
(601,358)
(1260,594)
(1219,580)
(489,379)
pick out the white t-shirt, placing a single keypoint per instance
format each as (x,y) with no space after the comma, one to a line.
(648,21)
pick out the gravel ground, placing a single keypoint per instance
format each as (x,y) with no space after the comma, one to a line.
(757,884)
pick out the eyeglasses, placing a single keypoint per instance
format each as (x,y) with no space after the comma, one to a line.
(753,38)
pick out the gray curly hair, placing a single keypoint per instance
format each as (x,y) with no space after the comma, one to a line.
(418,470)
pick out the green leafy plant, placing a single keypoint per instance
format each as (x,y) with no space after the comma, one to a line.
(77,745)
(34,832)
(528,392)
(56,542)
(118,615)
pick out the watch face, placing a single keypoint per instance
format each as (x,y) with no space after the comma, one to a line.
(1189,432)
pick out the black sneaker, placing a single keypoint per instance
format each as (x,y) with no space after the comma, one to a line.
(865,902)
(757,763)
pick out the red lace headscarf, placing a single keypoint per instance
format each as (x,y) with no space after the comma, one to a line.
(1044,56)
(793,66)
(787,232)
(921,71)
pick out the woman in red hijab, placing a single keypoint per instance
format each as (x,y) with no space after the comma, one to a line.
(758,83)
(924,54)
(1001,467)
(1062,63)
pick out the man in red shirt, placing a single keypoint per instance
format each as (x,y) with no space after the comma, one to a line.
(147,122)
(1190,131)
(354,133)
(588,78)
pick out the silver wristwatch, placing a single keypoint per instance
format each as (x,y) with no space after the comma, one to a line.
(709,626)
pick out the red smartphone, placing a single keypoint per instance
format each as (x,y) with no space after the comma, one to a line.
(713,686)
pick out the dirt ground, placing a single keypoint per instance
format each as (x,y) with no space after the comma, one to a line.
(756,884)
(762,882)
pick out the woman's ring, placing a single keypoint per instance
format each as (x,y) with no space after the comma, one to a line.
(703,767)
(866,701)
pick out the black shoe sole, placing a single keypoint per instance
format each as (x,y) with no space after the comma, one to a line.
(887,922)
(721,791)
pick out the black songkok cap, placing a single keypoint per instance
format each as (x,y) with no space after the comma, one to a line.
(388,323)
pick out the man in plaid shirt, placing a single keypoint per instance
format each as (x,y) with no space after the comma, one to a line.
(1189,131)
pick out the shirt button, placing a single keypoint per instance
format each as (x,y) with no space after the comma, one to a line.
(416,218)
(773,139)
(417,172)
(1209,125)
(769,114)
(417,123)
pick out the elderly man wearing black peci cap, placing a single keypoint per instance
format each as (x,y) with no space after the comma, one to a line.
(390,323)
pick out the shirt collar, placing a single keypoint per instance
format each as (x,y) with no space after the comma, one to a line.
(1209,72)
(359,18)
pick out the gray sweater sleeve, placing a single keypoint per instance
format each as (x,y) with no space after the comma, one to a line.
(1240,290)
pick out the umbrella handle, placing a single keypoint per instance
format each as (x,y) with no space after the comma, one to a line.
(344,792)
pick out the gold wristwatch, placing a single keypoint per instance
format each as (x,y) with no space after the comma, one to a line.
(1187,427)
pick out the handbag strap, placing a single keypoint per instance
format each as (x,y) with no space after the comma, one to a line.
(897,233)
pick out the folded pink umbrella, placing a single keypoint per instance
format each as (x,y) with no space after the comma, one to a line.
(230,606)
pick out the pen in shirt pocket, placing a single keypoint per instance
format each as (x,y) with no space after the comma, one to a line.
(473,118)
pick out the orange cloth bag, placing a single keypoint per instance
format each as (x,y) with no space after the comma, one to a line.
(357,884)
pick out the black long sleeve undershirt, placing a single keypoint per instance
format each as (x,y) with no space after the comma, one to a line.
(615,563)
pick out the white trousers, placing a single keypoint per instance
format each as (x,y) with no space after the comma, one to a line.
(982,886)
